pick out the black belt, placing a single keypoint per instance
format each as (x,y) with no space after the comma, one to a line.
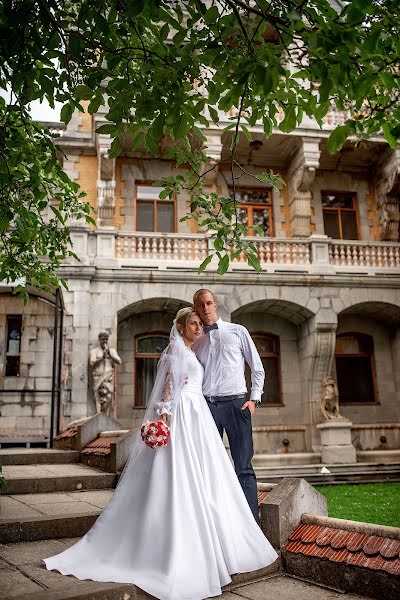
(216,399)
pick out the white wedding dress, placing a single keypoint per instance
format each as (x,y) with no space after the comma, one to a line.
(180,526)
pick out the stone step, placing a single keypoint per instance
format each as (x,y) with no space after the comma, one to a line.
(26,517)
(35,479)
(352,476)
(24,577)
(35,456)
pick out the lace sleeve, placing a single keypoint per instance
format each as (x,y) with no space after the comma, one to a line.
(164,407)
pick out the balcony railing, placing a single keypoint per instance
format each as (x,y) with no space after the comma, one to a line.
(317,254)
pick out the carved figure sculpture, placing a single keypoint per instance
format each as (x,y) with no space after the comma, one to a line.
(330,400)
(102,359)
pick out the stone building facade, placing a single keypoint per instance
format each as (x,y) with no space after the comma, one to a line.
(326,301)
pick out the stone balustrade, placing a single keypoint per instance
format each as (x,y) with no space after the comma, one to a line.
(317,254)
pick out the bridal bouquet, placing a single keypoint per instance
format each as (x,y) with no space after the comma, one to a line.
(155,433)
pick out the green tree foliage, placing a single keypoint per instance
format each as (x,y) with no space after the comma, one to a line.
(166,68)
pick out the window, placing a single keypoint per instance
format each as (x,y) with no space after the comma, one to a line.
(148,349)
(269,351)
(13,346)
(340,215)
(151,213)
(255,208)
(355,368)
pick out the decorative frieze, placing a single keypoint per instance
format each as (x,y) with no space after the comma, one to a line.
(300,178)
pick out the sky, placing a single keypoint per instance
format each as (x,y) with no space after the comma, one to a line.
(40,111)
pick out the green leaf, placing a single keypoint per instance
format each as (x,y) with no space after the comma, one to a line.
(388,135)
(246,132)
(108,129)
(180,127)
(66,113)
(83,92)
(205,263)
(213,114)
(223,265)
(338,138)
(289,122)
(116,148)
(211,16)
(254,261)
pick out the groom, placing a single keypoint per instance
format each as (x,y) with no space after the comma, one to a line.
(223,352)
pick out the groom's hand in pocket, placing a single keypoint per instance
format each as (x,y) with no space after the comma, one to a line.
(250,405)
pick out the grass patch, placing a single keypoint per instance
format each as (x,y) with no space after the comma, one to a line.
(368,502)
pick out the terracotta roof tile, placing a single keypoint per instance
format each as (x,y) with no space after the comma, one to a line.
(326,535)
(296,535)
(392,566)
(340,539)
(261,496)
(373,545)
(339,555)
(311,533)
(99,446)
(356,542)
(390,548)
(342,546)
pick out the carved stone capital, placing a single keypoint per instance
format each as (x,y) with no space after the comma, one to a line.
(213,150)
(300,179)
(387,184)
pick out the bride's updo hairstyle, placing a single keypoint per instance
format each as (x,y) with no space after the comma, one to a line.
(182,317)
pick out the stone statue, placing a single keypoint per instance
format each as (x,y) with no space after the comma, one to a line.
(102,359)
(330,400)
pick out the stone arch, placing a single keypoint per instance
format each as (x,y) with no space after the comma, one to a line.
(146,316)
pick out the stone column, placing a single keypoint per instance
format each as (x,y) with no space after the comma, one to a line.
(317,350)
(388,194)
(210,171)
(105,182)
(300,178)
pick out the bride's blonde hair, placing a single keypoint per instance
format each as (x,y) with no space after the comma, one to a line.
(182,317)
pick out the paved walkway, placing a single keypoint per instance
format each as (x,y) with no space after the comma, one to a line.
(24,577)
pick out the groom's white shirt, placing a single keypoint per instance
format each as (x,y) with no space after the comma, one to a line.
(223,352)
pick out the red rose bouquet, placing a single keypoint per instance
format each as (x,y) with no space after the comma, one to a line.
(155,433)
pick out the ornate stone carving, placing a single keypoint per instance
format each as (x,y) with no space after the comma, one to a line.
(388,195)
(330,400)
(301,176)
(102,359)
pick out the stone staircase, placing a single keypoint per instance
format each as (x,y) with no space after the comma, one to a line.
(49,495)
(50,500)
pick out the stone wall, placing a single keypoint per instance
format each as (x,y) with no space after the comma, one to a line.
(26,409)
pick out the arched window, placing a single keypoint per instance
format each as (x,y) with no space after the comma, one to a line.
(269,350)
(355,368)
(148,349)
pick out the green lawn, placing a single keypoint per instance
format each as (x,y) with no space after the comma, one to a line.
(369,502)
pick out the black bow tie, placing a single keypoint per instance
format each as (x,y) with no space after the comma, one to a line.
(208,328)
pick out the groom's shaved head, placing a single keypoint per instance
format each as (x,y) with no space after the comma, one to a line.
(199,293)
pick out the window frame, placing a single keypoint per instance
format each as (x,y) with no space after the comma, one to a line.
(340,210)
(136,355)
(153,201)
(6,353)
(371,355)
(277,356)
(253,205)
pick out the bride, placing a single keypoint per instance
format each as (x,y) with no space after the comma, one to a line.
(178,524)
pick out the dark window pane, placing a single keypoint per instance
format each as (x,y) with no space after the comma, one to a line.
(354,376)
(264,344)
(261,219)
(243,216)
(13,347)
(271,387)
(153,344)
(337,200)
(144,216)
(146,369)
(331,224)
(252,196)
(165,217)
(349,226)
(352,344)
